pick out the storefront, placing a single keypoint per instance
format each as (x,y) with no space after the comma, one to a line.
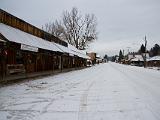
(23,54)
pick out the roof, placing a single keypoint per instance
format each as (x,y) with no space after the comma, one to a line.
(130,56)
(62,48)
(137,58)
(18,36)
(75,51)
(98,56)
(155,58)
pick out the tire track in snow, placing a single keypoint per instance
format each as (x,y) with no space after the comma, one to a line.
(82,113)
(65,89)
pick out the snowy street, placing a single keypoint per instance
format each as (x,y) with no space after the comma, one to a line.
(107,91)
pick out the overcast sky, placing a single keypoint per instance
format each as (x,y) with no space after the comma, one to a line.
(122,24)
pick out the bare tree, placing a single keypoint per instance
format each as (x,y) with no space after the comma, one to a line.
(90,33)
(76,29)
(55,28)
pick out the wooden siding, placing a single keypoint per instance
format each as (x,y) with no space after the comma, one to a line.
(15,22)
(15,62)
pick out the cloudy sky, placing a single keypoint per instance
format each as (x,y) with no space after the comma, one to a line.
(122,24)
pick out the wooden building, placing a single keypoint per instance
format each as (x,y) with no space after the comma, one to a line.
(153,61)
(92,55)
(26,50)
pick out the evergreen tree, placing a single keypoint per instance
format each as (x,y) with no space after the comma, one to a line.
(106,57)
(120,55)
(113,59)
(142,49)
(155,50)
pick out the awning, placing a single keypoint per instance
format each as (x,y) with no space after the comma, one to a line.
(72,51)
(77,52)
(18,36)
(62,48)
(32,43)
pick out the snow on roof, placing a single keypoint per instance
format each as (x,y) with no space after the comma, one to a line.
(62,48)
(155,58)
(137,58)
(77,52)
(98,56)
(130,56)
(18,36)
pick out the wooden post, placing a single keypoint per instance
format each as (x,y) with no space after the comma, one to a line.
(4,55)
(60,63)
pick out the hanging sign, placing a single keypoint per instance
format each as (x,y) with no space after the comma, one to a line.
(29,48)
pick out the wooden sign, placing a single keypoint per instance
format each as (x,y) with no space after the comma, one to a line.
(29,48)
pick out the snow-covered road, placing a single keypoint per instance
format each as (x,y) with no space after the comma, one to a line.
(107,91)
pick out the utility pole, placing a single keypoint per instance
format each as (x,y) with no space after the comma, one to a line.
(145,39)
(128,52)
(123,54)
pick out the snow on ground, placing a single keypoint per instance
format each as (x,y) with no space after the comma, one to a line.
(107,91)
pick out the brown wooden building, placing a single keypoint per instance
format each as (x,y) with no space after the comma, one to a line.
(26,50)
(153,61)
(92,55)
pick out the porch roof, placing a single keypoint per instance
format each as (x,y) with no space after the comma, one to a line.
(77,52)
(18,36)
